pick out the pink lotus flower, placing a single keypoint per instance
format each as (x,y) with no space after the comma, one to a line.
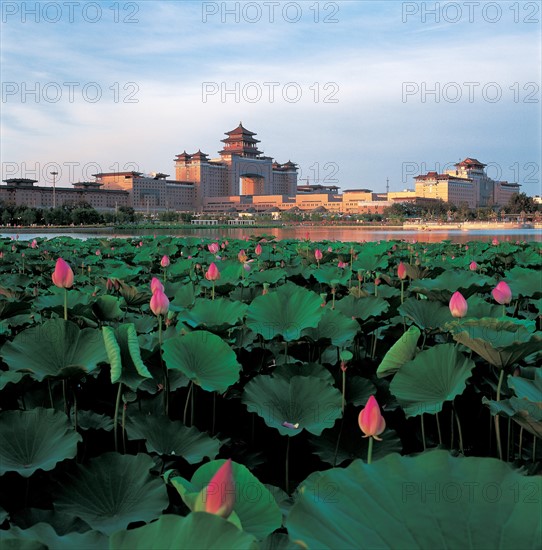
(242,256)
(458,305)
(219,496)
(34,244)
(502,293)
(342,265)
(258,249)
(159,303)
(318,254)
(156,285)
(495,241)
(98,253)
(473,266)
(213,274)
(164,262)
(329,249)
(370,419)
(213,248)
(401,270)
(62,275)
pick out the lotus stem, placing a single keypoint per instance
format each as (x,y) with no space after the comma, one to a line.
(64,396)
(534,447)
(164,368)
(214,414)
(497,428)
(438,429)
(213,292)
(503,310)
(286,468)
(344,390)
(423,432)
(115,417)
(520,442)
(402,291)
(74,407)
(50,393)
(508,437)
(124,428)
(459,432)
(370,451)
(65,304)
(186,403)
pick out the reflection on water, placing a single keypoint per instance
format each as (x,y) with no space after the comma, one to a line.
(316,233)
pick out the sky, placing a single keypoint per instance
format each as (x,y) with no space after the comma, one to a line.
(354,92)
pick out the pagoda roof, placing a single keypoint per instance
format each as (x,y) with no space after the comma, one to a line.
(240,130)
(87,184)
(18,181)
(199,155)
(182,156)
(470,162)
(436,176)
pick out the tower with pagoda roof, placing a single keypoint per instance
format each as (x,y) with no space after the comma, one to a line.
(241,169)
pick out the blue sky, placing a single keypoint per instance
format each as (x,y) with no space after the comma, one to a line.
(351,81)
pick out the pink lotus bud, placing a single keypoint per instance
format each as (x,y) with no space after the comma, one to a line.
(140,243)
(109,284)
(156,285)
(13,248)
(370,419)
(159,302)
(219,497)
(22,254)
(63,274)
(212,273)
(258,249)
(401,270)
(458,305)
(329,249)
(98,253)
(342,265)
(34,244)
(473,266)
(466,247)
(502,293)
(495,241)
(164,262)
(377,281)
(318,254)
(213,248)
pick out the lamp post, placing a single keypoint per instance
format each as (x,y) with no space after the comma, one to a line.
(54,174)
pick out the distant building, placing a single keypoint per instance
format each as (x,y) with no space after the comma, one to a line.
(241,169)
(23,192)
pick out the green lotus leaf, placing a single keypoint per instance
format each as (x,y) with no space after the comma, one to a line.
(370,260)
(352,445)
(501,342)
(55,300)
(288,371)
(171,437)
(215,313)
(329,274)
(9,307)
(112,491)
(304,400)
(526,413)
(442,287)
(35,440)
(271,276)
(402,351)
(55,349)
(434,376)
(184,296)
(197,531)
(278,541)
(89,420)
(334,326)
(44,534)
(134,297)
(10,377)
(285,312)
(124,355)
(255,506)
(107,308)
(362,308)
(477,307)
(525,282)
(358,390)
(204,358)
(425,313)
(429,501)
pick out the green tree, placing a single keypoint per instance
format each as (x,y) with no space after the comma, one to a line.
(521,202)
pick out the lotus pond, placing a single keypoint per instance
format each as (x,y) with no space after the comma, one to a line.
(221,409)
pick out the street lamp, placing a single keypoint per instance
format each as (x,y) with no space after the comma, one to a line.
(54,174)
